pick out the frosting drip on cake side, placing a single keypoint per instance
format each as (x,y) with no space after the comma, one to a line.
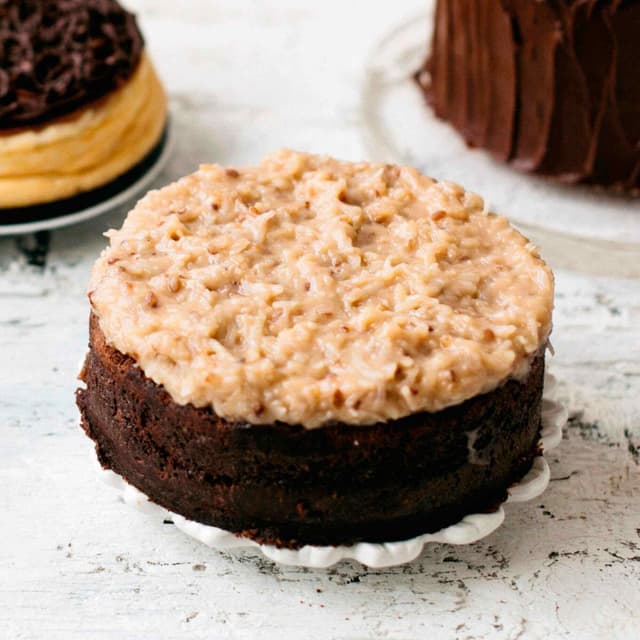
(550,86)
(58,55)
(308,290)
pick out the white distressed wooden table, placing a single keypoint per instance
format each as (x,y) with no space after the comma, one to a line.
(246,77)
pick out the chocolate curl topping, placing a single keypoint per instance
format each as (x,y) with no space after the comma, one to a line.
(58,55)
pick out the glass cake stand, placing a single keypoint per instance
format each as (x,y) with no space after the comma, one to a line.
(576,227)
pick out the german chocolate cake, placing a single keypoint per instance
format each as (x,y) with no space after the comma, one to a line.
(549,86)
(312,351)
(80,103)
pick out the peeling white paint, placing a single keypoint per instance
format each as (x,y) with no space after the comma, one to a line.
(74,564)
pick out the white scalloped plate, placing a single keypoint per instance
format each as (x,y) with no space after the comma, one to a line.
(377,555)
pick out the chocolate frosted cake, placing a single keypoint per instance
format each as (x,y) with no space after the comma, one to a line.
(80,103)
(317,352)
(549,86)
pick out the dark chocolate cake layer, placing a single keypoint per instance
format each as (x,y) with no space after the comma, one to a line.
(550,86)
(59,55)
(287,485)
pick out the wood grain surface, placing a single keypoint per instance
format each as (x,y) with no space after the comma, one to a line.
(246,77)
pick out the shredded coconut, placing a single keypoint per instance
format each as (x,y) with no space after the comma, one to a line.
(308,290)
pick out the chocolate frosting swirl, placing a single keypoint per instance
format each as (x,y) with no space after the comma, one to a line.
(58,55)
(551,86)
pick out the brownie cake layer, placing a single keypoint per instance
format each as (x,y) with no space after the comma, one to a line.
(286,485)
(549,86)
